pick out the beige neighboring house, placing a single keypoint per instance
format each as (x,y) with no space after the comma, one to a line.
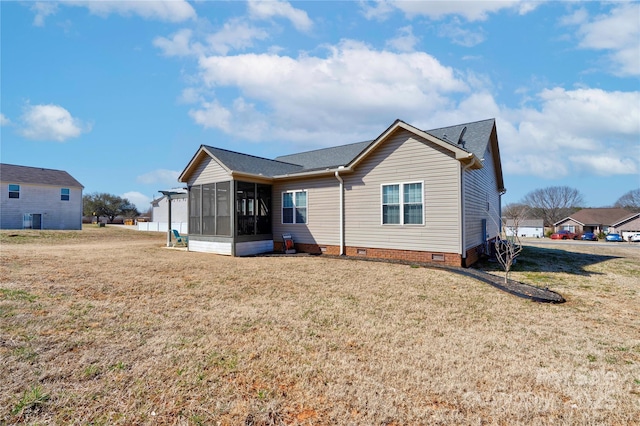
(38,198)
(627,226)
(409,194)
(596,220)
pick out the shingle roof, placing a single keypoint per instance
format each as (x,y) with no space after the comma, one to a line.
(475,138)
(326,157)
(246,163)
(600,216)
(35,175)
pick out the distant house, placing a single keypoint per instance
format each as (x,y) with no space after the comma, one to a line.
(37,198)
(179,210)
(525,228)
(595,220)
(408,194)
(160,213)
(627,226)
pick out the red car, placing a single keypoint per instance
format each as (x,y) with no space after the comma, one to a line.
(563,234)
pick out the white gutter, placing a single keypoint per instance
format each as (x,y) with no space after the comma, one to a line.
(337,175)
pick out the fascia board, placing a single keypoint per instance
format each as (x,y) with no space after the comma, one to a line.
(258,177)
(626,219)
(315,173)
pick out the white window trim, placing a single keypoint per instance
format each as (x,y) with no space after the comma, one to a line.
(18,191)
(402,203)
(293,191)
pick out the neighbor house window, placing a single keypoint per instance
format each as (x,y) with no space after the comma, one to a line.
(64,194)
(294,207)
(14,191)
(402,204)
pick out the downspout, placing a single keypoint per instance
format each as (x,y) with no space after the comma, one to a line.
(463,249)
(341,216)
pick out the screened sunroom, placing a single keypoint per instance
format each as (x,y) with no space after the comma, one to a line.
(230,217)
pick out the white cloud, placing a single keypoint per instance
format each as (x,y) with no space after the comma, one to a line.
(179,44)
(213,115)
(470,10)
(161,10)
(4,121)
(405,41)
(607,164)
(51,122)
(162,177)
(577,131)
(269,9)
(617,32)
(377,9)
(235,34)
(141,201)
(42,10)
(455,31)
(296,97)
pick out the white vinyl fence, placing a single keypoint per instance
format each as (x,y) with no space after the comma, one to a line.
(182,227)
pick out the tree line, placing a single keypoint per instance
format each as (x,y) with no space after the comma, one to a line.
(554,203)
(108,205)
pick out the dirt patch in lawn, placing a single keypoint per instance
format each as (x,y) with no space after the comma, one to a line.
(106,326)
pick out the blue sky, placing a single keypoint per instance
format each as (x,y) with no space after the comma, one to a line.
(122,94)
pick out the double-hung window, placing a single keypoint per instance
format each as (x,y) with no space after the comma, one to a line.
(14,191)
(294,207)
(403,204)
(64,194)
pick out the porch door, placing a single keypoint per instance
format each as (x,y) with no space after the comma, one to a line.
(32,221)
(36,221)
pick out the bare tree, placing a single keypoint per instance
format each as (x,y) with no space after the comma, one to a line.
(508,249)
(553,203)
(630,201)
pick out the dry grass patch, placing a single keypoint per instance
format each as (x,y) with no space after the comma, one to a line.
(105,326)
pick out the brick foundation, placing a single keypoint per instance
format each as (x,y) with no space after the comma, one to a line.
(449,259)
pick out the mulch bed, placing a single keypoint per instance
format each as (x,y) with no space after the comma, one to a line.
(516,288)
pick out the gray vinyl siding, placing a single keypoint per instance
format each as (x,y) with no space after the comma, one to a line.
(44,200)
(480,189)
(405,158)
(208,171)
(323,211)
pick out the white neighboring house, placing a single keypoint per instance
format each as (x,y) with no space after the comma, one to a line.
(533,228)
(37,198)
(160,213)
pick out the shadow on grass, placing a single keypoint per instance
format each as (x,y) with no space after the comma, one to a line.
(543,259)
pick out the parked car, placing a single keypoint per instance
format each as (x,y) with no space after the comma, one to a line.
(614,237)
(589,236)
(563,234)
(635,238)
